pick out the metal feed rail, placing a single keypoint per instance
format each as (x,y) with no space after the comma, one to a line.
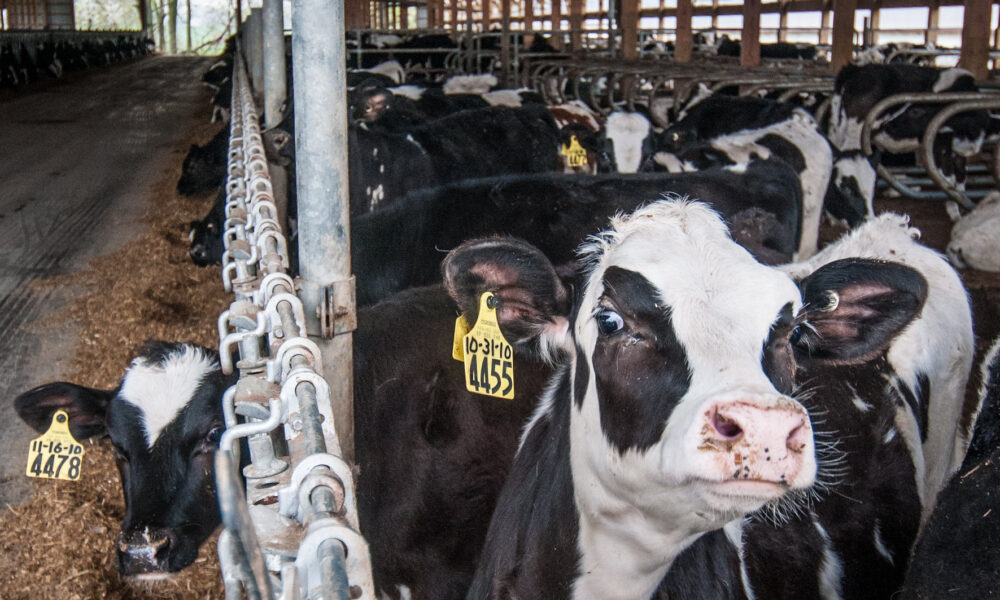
(292,531)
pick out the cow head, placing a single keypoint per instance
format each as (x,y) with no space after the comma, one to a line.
(627,143)
(164,421)
(681,360)
(851,191)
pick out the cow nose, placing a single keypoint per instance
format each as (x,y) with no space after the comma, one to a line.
(763,441)
(143,551)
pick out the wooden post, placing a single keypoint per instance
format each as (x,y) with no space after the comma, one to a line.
(933,21)
(528,10)
(826,25)
(557,38)
(715,17)
(576,25)
(876,22)
(976,38)
(682,45)
(630,29)
(843,33)
(782,21)
(750,39)
(454,16)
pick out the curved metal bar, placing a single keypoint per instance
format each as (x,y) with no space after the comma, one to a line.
(930,134)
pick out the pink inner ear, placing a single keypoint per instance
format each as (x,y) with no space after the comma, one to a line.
(495,274)
(859,292)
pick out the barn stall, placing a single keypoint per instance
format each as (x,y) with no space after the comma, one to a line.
(602,68)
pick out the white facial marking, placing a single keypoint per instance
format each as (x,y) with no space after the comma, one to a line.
(469,84)
(412,92)
(161,391)
(831,570)
(880,544)
(627,132)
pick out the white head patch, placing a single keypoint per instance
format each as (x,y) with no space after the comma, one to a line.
(161,390)
(627,132)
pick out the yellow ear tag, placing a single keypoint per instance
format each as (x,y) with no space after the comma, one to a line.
(461,329)
(489,359)
(55,455)
(575,155)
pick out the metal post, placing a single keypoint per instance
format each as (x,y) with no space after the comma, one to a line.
(274,62)
(327,288)
(255,49)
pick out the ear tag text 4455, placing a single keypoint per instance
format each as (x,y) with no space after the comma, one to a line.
(487,356)
(55,455)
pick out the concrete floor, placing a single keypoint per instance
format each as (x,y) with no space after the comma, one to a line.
(77,157)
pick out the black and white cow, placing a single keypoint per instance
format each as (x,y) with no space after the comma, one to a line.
(957,555)
(733,129)
(400,246)
(684,372)
(164,421)
(933,357)
(859,88)
(432,456)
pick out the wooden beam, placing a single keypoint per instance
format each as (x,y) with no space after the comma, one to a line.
(933,22)
(976,38)
(487,14)
(576,25)
(750,39)
(843,33)
(826,25)
(783,20)
(529,14)
(630,29)
(876,22)
(682,45)
(454,15)
(557,38)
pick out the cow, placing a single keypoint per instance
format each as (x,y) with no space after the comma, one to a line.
(467,144)
(399,246)
(957,554)
(973,243)
(738,127)
(858,88)
(729,47)
(164,421)
(689,384)
(204,167)
(432,456)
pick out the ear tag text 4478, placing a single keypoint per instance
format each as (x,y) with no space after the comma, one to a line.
(488,357)
(575,154)
(55,455)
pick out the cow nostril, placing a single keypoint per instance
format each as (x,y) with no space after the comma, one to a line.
(798,437)
(728,429)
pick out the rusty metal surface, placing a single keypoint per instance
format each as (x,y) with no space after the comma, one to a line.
(77,157)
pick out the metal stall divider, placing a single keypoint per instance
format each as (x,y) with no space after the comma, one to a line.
(293,533)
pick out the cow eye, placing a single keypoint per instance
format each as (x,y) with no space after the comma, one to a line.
(214,436)
(609,322)
(796,335)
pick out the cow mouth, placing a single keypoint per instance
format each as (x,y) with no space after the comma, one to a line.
(744,495)
(152,577)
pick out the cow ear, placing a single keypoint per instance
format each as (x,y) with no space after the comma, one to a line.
(86,408)
(855,307)
(534,304)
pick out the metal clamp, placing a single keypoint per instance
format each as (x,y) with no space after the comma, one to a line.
(290,498)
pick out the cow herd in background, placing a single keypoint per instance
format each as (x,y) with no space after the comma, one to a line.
(708,404)
(25,62)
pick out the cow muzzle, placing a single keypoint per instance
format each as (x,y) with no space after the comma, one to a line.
(144,551)
(762,442)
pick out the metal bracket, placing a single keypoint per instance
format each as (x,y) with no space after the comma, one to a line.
(337,310)
(289,498)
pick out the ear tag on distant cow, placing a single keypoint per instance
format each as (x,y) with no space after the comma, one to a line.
(458,346)
(575,155)
(55,455)
(489,358)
